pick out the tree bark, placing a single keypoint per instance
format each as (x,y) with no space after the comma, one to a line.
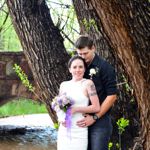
(125,25)
(120,29)
(42,45)
(86,11)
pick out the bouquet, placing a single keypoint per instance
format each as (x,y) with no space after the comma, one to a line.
(62,105)
(62,102)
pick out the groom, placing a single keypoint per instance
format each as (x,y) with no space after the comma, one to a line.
(104,78)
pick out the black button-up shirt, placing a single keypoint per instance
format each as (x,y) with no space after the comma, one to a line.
(104,79)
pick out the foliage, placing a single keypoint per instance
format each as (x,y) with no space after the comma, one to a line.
(127,86)
(122,124)
(56,125)
(21,107)
(110,145)
(23,77)
(117,145)
(89,24)
(63,16)
(8,37)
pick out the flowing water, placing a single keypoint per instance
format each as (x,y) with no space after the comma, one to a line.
(34,132)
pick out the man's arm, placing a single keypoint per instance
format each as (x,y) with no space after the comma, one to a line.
(105,106)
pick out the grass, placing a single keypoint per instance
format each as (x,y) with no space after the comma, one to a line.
(22,107)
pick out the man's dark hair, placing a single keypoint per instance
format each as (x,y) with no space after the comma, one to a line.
(84,41)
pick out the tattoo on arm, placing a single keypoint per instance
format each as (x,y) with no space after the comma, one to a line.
(92,91)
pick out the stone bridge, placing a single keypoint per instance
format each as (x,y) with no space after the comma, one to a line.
(10,85)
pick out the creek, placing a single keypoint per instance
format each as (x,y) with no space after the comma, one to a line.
(29,132)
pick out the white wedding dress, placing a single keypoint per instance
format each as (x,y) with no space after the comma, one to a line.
(76,138)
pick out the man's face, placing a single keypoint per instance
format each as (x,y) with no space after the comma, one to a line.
(86,54)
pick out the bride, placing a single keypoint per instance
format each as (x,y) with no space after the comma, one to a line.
(83,92)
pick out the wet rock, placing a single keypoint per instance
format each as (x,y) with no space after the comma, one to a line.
(7,129)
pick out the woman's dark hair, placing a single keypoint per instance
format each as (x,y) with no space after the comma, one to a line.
(74,58)
(84,41)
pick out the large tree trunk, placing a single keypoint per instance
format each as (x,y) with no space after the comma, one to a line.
(119,27)
(85,13)
(126,26)
(42,45)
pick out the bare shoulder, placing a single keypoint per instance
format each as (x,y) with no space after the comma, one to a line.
(63,83)
(90,87)
(88,82)
(63,87)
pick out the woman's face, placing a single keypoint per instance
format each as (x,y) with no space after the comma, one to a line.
(77,69)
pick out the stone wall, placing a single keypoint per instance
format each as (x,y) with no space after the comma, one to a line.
(10,85)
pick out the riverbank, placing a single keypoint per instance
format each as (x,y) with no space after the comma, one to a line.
(28,120)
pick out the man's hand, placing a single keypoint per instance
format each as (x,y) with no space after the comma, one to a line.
(86,121)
